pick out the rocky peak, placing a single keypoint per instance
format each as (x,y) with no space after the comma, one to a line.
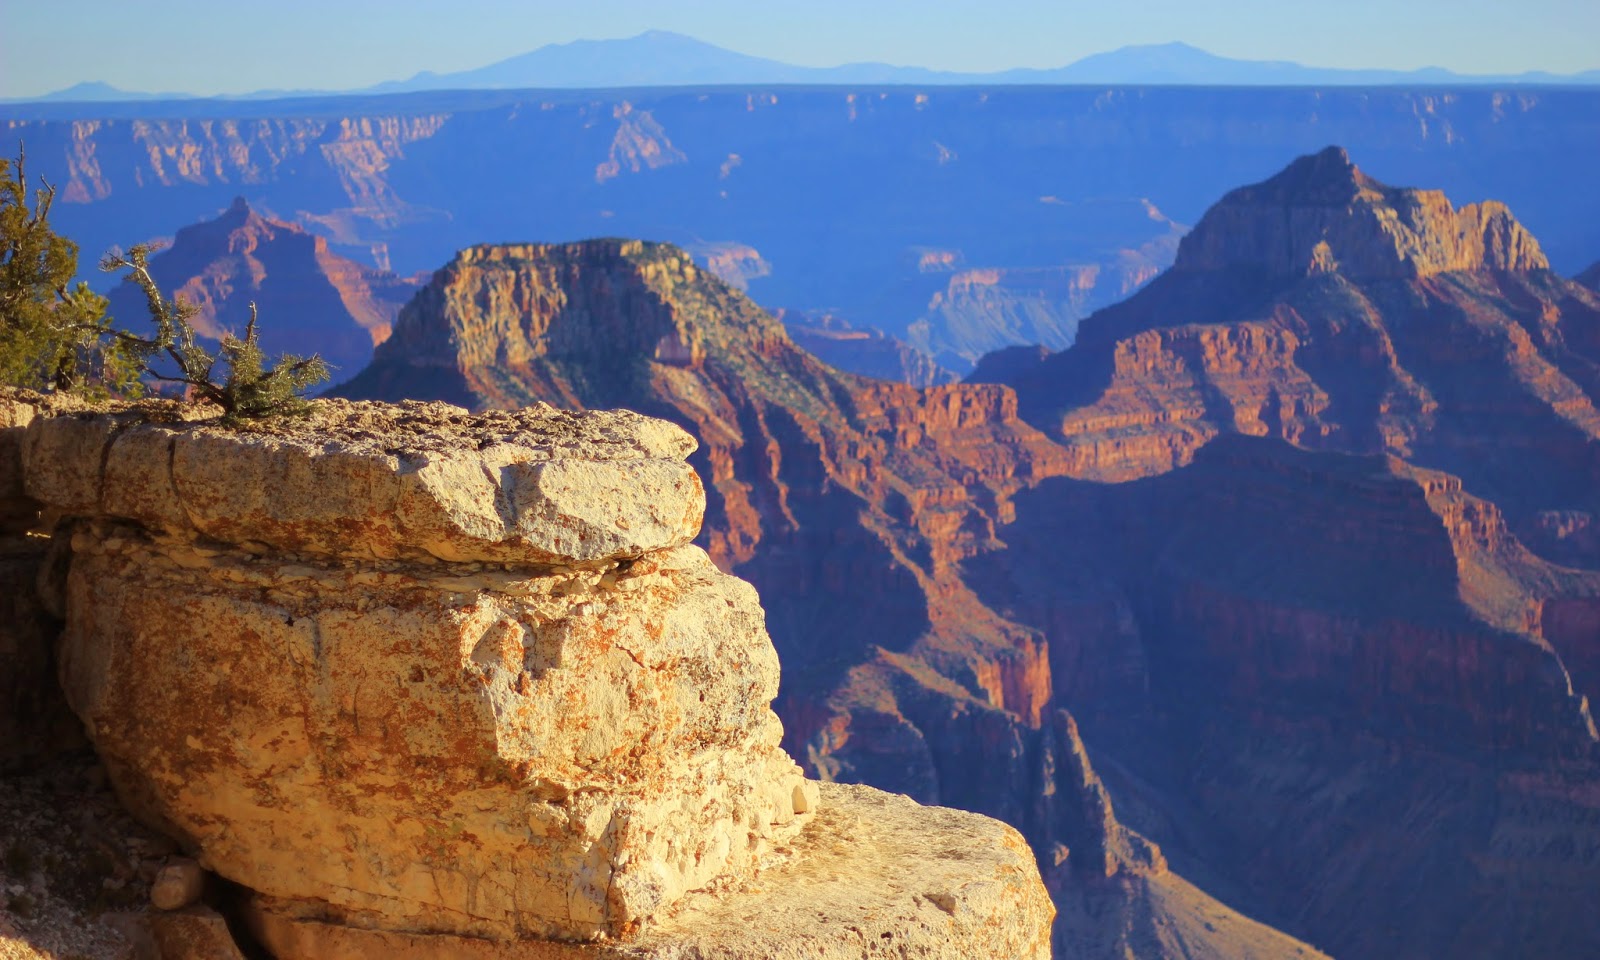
(311,299)
(609,301)
(1322,214)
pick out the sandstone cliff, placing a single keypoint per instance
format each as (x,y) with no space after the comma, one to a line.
(1228,607)
(421,681)
(1329,310)
(1324,677)
(311,299)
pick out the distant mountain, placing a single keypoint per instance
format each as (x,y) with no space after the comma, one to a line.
(94,91)
(655,58)
(310,299)
(1180,63)
(660,58)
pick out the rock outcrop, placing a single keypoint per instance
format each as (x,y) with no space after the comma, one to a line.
(875,875)
(311,299)
(1322,215)
(405,672)
(860,508)
(1326,309)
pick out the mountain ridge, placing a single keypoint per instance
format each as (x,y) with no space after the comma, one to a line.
(666,58)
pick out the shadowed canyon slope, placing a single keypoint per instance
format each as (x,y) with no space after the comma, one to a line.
(311,300)
(1333,685)
(959,219)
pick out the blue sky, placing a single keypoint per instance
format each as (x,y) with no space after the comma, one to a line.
(228,46)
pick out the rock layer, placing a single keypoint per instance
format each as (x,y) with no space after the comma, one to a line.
(560,742)
(545,487)
(875,876)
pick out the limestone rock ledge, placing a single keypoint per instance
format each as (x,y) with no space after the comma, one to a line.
(416,669)
(412,677)
(876,875)
(377,481)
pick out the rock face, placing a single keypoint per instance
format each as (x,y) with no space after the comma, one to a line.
(876,875)
(34,720)
(1329,310)
(410,676)
(859,507)
(560,741)
(1340,682)
(311,300)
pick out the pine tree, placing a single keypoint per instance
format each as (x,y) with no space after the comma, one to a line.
(53,335)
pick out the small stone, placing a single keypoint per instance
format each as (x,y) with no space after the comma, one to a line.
(179,884)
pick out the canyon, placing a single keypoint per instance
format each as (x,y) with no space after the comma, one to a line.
(957,219)
(1290,543)
(1263,603)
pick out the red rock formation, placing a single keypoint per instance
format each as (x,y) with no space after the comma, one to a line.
(1329,310)
(311,300)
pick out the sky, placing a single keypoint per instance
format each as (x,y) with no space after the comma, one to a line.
(229,46)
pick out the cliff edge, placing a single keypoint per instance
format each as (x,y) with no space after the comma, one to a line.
(410,675)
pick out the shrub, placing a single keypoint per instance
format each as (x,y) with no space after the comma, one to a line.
(250,390)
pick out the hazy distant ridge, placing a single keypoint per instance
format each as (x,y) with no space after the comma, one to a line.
(660,58)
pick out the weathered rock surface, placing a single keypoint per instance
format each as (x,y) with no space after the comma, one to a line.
(34,720)
(535,487)
(1327,309)
(875,876)
(511,749)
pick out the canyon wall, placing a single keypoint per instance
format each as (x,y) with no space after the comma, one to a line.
(870,202)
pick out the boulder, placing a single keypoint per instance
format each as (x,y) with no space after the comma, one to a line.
(285,646)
